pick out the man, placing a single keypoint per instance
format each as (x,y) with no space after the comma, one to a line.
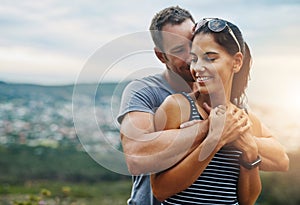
(148,151)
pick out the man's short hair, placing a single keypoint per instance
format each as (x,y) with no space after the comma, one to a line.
(173,15)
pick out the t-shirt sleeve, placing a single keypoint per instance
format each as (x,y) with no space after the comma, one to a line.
(137,96)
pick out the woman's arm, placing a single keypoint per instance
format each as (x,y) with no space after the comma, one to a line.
(170,115)
(182,175)
(249,184)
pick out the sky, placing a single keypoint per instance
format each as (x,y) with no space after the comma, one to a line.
(51,42)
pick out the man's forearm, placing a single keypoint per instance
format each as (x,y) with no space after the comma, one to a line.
(163,149)
(273,155)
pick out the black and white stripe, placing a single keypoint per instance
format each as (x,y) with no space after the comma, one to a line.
(194,111)
(216,185)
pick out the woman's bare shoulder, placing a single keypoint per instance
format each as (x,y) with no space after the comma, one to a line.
(175,100)
(173,111)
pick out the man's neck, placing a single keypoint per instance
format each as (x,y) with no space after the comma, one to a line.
(177,83)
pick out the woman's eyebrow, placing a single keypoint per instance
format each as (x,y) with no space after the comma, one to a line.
(210,53)
(206,53)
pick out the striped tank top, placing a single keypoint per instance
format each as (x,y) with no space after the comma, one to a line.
(218,182)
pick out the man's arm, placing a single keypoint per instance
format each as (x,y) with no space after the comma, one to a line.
(148,151)
(272,153)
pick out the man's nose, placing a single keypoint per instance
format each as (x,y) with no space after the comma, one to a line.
(188,57)
(189,60)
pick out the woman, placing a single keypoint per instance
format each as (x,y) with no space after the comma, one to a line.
(223,169)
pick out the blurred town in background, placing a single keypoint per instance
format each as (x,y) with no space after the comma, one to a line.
(39,144)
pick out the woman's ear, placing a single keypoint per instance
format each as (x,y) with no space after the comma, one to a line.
(237,62)
(160,55)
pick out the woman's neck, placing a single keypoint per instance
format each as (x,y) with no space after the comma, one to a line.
(213,100)
(221,96)
(216,100)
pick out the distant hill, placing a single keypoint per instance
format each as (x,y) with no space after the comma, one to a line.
(35,114)
(13,91)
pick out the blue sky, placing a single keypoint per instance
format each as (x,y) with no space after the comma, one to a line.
(50,41)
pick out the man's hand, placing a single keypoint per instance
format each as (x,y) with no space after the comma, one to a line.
(206,107)
(246,143)
(189,123)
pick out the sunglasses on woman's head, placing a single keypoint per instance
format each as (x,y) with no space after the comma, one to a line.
(217,25)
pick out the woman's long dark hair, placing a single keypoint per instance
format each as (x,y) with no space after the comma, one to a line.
(240,79)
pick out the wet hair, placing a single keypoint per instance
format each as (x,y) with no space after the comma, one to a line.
(240,79)
(173,15)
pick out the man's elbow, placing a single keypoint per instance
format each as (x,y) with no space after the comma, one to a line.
(132,155)
(284,164)
(134,165)
(280,164)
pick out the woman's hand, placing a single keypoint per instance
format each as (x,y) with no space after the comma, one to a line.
(228,123)
(246,142)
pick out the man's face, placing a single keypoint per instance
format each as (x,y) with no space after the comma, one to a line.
(176,45)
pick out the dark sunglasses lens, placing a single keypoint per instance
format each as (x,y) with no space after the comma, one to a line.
(216,25)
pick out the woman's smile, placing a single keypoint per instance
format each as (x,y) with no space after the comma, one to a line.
(203,79)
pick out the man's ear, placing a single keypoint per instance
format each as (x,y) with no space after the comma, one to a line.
(160,55)
(237,62)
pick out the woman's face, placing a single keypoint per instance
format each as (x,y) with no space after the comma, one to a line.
(211,65)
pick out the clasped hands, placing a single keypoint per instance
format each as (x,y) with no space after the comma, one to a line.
(229,126)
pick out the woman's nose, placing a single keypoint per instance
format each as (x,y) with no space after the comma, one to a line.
(199,67)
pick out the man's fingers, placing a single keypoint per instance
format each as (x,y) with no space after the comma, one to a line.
(206,107)
(189,123)
(221,109)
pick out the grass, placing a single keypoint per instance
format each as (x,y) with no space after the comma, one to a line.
(104,193)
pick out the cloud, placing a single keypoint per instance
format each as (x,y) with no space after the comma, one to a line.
(70,32)
(51,28)
(38,66)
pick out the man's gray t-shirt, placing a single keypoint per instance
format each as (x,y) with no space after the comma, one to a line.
(143,95)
